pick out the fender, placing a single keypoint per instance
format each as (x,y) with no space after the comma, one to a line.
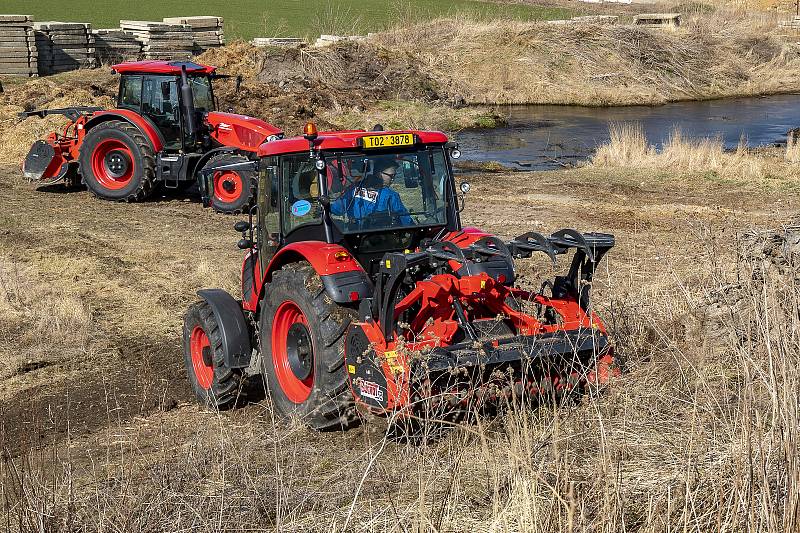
(144,124)
(342,276)
(233,327)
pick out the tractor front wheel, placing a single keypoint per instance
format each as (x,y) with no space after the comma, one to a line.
(117,162)
(233,190)
(213,384)
(302,347)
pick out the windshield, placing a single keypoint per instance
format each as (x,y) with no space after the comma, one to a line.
(372,192)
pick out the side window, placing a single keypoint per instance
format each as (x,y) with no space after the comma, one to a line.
(130,92)
(268,199)
(300,192)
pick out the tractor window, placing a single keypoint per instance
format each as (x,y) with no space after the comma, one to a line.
(160,104)
(201,90)
(130,92)
(300,192)
(268,215)
(372,192)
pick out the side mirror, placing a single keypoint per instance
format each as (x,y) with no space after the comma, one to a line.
(244,244)
(242,226)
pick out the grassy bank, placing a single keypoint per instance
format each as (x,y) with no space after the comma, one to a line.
(763,167)
(245,19)
(712,55)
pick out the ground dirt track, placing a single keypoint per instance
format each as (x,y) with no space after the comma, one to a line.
(92,295)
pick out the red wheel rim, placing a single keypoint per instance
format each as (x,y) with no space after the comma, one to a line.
(228,186)
(202,371)
(112,164)
(297,390)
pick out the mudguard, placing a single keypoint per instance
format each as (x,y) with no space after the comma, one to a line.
(144,124)
(342,276)
(233,327)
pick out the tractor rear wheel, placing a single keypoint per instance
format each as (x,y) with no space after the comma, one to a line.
(213,384)
(302,347)
(117,162)
(234,190)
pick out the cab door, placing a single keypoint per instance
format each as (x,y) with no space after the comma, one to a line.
(160,103)
(269,236)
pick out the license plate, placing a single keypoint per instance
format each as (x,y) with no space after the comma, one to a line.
(388,141)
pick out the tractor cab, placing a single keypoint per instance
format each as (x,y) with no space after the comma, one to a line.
(370,192)
(153,89)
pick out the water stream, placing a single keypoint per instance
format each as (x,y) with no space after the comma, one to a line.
(546,137)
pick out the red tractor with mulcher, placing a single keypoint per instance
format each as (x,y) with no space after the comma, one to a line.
(361,291)
(164,132)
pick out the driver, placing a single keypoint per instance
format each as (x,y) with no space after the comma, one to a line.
(373,197)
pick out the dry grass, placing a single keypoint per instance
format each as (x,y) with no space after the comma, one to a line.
(696,437)
(628,148)
(713,55)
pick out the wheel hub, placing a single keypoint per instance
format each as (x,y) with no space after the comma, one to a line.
(229,186)
(299,352)
(117,163)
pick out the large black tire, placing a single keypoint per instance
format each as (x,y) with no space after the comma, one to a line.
(213,384)
(235,190)
(329,404)
(118,162)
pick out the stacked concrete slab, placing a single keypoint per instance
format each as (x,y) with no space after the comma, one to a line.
(18,53)
(207,32)
(112,45)
(793,23)
(287,42)
(64,46)
(327,40)
(161,40)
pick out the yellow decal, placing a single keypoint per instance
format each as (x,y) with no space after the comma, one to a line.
(388,264)
(483,284)
(351,369)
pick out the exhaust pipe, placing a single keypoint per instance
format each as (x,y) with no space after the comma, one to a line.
(187,98)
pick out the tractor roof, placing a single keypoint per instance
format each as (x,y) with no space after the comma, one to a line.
(162,67)
(341,140)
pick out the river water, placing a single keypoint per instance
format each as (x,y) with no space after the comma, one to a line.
(546,137)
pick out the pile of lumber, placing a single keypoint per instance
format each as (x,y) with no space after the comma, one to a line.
(161,40)
(112,45)
(18,54)
(64,46)
(207,32)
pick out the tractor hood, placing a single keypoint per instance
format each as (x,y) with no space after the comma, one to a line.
(246,133)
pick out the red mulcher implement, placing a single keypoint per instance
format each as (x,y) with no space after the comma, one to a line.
(164,130)
(361,289)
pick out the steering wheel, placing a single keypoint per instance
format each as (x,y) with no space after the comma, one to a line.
(434,217)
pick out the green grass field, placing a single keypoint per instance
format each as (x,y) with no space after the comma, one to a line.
(251,18)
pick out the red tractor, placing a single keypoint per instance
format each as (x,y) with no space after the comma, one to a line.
(164,132)
(362,290)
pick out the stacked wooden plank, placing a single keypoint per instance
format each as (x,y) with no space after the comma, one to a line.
(207,32)
(18,53)
(112,45)
(64,46)
(161,40)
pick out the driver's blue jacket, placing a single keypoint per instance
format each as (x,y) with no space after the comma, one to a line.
(358,203)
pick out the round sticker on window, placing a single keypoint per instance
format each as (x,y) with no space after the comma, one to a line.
(301,208)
